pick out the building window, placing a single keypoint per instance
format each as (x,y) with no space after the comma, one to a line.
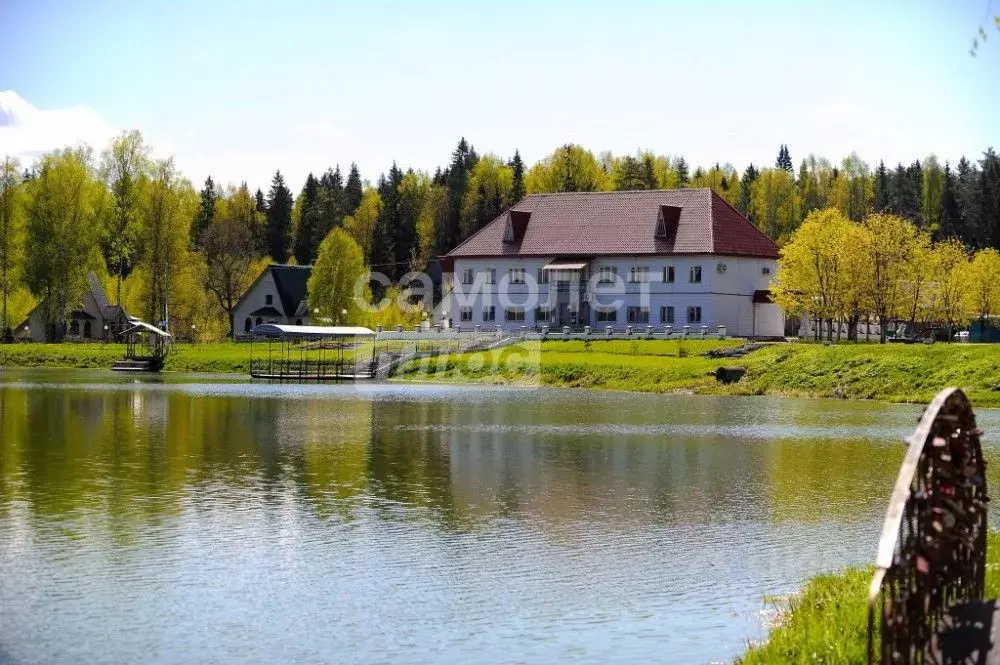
(247,325)
(766,270)
(668,274)
(667,315)
(607,275)
(269,299)
(515,313)
(543,276)
(607,315)
(694,314)
(694,275)
(465,313)
(259,321)
(468,276)
(542,315)
(491,276)
(517,277)
(489,313)
(74,328)
(638,274)
(87,330)
(298,322)
(638,315)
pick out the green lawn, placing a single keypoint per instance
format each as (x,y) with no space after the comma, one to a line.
(889,372)
(828,621)
(216,357)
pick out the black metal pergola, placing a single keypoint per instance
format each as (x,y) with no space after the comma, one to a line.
(312,353)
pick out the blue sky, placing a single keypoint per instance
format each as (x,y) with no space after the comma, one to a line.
(238,89)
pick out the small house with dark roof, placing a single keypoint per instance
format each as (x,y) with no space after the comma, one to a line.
(655,257)
(278,295)
(92,319)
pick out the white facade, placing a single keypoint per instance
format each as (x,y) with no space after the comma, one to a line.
(705,290)
(262,304)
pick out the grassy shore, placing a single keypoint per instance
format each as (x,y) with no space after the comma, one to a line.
(890,372)
(828,621)
(222,357)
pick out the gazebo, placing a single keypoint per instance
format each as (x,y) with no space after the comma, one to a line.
(312,353)
(146,347)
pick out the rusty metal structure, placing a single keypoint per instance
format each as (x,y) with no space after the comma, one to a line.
(932,552)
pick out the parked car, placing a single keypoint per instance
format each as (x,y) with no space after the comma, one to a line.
(961,336)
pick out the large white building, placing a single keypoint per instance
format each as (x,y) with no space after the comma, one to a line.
(660,257)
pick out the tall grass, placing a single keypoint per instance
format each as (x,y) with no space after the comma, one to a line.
(828,621)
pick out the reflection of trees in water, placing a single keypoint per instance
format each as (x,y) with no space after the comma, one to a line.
(412,466)
(133,457)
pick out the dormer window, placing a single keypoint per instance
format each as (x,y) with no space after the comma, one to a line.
(508,232)
(667,220)
(269,299)
(661,226)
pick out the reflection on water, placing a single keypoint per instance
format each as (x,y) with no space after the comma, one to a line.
(181,520)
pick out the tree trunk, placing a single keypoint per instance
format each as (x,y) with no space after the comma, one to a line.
(881,328)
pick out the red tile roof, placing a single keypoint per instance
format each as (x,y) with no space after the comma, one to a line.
(621,223)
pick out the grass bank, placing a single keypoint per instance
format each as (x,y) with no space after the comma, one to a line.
(828,621)
(889,372)
(221,357)
(638,365)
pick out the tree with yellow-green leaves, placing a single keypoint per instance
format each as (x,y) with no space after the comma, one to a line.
(982,292)
(917,281)
(64,200)
(338,280)
(811,278)
(889,249)
(489,190)
(169,205)
(361,225)
(11,241)
(571,168)
(949,269)
(774,203)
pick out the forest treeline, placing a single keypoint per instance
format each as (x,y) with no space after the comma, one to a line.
(168,251)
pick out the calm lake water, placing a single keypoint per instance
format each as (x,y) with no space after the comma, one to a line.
(201,519)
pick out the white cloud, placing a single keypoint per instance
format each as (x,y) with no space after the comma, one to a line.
(27,132)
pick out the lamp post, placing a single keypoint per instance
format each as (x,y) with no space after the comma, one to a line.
(193,334)
(343,316)
(106,333)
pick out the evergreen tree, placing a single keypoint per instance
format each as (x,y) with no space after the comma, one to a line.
(881,203)
(206,212)
(402,228)
(904,192)
(629,174)
(352,191)
(968,194)
(309,221)
(681,167)
(462,161)
(649,172)
(951,221)
(989,202)
(261,203)
(517,193)
(784,160)
(382,254)
(699,174)
(279,219)
(750,174)
(330,205)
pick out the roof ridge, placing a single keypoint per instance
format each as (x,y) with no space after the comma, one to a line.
(751,224)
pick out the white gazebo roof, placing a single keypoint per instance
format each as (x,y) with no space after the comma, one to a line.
(277,329)
(139,326)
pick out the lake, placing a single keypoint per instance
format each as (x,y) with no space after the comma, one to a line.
(206,519)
